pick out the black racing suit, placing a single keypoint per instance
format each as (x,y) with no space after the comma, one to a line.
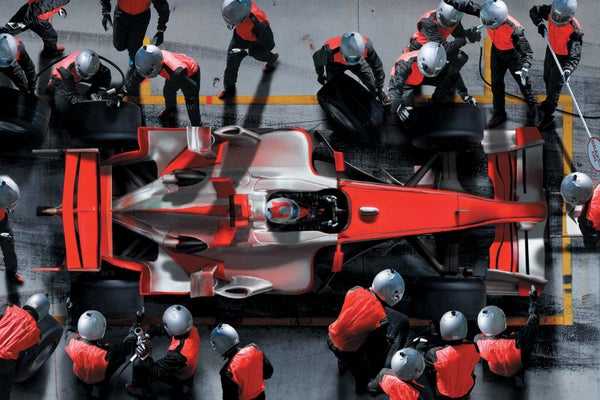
(129,29)
(64,88)
(22,73)
(29,15)
(513,60)
(259,50)
(552,77)
(369,70)
(430,29)
(7,244)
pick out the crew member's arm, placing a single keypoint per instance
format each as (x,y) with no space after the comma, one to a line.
(321,58)
(376,65)
(465,6)
(522,46)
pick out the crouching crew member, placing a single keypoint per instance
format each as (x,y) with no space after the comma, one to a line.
(16,64)
(243,375)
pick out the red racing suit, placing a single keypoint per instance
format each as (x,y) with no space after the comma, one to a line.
(387,382)
(89,360)
(243,376)
(589,221)
(502,355)
(454,366)
(18,331)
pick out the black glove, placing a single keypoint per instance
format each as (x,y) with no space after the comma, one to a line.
(384,99)
(473,34)
(156,330)
(321,79)
(542,30)
(115,99)
(64,74)
(403,112)
(62,13)
(106,21)
(159,38)
(460,42)
(566,75)
(142,350)
(533,296)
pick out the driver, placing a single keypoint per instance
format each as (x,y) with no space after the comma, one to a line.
(303,211)
(281,210)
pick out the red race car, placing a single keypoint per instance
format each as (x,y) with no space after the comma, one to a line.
(235,213)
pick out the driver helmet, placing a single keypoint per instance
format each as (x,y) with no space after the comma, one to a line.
(87,63)
(40,303)
(223,338)
(282,210)
(177,320)
(408,364)
(453,326)
(9,193)
(8,50)
(576,188)
(388,286)
(234,12)
(491,321)
(91,325)
(493,13)
(431,59)
(352,46)
(448,16)
(562,11)
(148,61)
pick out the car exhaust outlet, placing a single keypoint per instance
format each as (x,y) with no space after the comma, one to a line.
(237,135)
(185,244)
(200,140)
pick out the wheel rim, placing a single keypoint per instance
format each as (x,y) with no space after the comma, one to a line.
(341,118)
(12,128)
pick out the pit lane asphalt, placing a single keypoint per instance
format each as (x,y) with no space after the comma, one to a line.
(566,357)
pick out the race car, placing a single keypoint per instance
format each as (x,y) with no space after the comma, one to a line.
(203,212)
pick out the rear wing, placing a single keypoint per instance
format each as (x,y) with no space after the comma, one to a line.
(81,211)
(516,168)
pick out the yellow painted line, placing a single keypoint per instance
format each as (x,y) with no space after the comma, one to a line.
(567,259)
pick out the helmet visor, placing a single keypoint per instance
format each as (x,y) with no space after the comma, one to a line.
(352,60)
(559,19)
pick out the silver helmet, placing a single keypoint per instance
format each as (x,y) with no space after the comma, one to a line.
(493,13)
(453,326)
(491,321)
(562,11)
(448,16)
(408,364)
(388,286)
(148,61)
(40,303)
(234,12)
(352,46)
(91,325)
(87,63)
(223,338)
(431,59)
(177,320)
(8,50)
(576,188)
(9,193)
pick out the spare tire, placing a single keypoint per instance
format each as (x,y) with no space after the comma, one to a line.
(351,107)
(446,126)
(433,296)
(23,115)
(94,123)
(32,359)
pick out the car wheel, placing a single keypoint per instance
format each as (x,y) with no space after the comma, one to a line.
(433,296)
(115,299)
(93,123)
(351,107)
(23,115)
(446,126)
(32,359)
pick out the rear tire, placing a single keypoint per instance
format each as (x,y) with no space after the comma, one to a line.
(433,296)
(446,126)
(23,116)
(351,107)
(94,123)
(32,359)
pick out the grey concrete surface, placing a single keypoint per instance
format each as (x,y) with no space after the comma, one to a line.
(566,358)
